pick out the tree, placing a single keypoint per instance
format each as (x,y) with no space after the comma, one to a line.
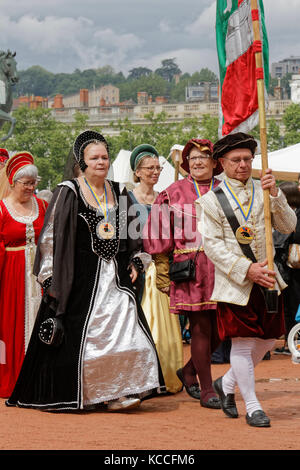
(40,82)
(291,121)
(168,70)
(35,81)
(48,140)
(209,127)
(204,75)
(138,72)
(274,137)
(153,84)
(158,132)
(283,82)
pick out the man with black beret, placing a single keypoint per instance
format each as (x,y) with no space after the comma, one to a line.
(240,275)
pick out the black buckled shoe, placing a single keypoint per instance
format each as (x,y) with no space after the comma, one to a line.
(193,390)
(212,402)
(258,419)
(228,404)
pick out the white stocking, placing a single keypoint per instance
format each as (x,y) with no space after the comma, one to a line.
(245,354)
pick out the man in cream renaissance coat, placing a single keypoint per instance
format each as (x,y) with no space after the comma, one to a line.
(241,308)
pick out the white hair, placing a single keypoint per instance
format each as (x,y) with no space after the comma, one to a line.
(28,170)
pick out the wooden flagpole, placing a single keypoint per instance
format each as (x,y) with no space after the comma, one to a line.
(177,161)
(263,128)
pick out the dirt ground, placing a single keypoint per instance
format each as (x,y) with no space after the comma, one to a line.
(175,422)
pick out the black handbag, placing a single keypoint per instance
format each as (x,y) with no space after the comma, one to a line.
(183,271)
(51,332)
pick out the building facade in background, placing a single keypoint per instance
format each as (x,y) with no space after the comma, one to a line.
(281,68)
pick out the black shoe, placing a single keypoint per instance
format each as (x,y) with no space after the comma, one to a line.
(7,403)
(193,390)
(258,419)
(228,404)
(212,402)
(267,356)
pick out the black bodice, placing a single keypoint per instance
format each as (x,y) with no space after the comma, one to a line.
(105,248)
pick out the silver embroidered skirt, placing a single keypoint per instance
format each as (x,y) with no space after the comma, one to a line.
(118,358)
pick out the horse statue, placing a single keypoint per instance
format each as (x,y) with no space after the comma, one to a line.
(8,78)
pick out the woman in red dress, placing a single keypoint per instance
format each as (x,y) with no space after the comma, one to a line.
(21,220)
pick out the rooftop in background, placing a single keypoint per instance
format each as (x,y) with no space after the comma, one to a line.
(289,65)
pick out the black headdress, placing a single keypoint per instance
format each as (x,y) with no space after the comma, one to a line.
(84,139)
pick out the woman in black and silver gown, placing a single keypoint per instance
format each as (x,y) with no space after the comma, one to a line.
(87,261)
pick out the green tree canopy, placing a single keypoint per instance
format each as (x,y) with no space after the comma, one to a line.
(48,140)
(138,72)
(51,141)
(153,84)
(291,121)
(40,82)
(168,69)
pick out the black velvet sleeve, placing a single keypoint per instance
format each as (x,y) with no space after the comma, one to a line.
(65,204)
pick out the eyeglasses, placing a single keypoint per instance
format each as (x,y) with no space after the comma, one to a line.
(152,168)
(202,158)
(28,184)
(237,161)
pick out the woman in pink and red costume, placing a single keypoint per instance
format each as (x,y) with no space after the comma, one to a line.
(172,229)
(21,220)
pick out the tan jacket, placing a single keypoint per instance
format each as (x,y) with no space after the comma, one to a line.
(221,246)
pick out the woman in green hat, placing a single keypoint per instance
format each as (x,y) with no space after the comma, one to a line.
(165,328)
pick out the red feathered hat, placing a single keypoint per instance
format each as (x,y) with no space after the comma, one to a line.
(4,155)
(17,162)
(204,145)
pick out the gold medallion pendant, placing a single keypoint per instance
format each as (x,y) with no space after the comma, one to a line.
(244,235)
(106,230)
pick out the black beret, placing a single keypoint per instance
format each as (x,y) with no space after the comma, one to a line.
(232,142)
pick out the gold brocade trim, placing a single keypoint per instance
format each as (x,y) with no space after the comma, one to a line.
(187,250)
(191,305)
(15,248)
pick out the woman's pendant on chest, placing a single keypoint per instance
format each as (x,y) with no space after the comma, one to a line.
(105,230)
(103,227)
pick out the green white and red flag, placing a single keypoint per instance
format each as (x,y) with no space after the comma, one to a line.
(238,73)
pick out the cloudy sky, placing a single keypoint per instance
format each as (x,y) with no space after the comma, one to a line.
(62,35)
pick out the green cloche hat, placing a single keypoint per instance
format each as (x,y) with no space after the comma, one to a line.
(143,150)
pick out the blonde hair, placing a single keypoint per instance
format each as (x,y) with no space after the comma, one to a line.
(136,179)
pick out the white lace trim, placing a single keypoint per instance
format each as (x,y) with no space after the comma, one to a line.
(24,219)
